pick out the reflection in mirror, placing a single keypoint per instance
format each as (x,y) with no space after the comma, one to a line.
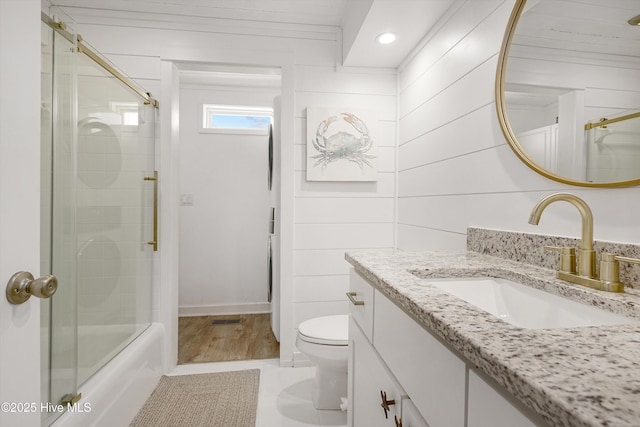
(572,64)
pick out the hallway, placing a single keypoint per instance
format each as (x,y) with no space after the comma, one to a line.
(204,339)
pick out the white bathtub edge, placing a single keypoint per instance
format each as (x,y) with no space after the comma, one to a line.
(117,392)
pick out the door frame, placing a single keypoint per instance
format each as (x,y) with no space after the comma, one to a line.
(20,37)
(172,58)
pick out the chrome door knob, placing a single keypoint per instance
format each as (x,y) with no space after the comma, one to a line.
(22,285)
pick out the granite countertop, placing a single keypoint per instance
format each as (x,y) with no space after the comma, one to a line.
(587,376)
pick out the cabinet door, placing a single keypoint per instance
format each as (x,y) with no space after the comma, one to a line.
(368,377)
(410,415)
(433,376)
(488,407)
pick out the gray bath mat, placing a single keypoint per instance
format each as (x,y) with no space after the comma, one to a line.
(224,399)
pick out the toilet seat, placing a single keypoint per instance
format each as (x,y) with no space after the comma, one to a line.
(327,330)
(325,342)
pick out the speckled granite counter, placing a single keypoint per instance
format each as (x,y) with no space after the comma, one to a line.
(586,376)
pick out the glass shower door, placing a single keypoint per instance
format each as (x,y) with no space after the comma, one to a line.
(97,219)
(58,246)
(114,215)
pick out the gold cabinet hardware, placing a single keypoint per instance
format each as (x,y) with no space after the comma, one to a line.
(398,421)
(352,298)
(386,403)
(154,178)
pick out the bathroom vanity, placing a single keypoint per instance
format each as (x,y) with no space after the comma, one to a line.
(420,356)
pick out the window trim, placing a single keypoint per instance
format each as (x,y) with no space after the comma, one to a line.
(237,110)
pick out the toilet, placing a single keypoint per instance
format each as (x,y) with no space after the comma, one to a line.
(324,340)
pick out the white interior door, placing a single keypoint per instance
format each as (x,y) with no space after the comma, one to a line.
(19,208)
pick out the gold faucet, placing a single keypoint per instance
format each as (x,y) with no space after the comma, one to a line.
(586,254)
(586,271)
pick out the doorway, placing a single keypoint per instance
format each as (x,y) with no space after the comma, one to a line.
(226,213)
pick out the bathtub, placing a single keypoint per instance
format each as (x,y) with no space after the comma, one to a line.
(115,394)
(99,344)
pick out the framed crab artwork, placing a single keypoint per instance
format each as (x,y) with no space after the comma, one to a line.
(341,145)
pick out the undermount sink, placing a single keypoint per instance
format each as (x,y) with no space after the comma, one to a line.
(527,307)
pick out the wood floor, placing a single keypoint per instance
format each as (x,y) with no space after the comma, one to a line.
(221,338)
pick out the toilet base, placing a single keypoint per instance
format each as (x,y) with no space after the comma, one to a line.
(328,387)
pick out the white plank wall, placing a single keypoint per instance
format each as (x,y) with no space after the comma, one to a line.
(333,217)
(455,169)
(330,217)
(609,88)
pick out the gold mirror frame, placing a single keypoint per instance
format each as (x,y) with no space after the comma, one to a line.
(504,121)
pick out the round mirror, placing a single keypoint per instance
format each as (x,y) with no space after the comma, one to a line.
(568,89)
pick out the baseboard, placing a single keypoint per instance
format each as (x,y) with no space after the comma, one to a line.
(223,309)
(300,360)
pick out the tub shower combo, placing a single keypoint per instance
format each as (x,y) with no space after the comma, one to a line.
(99,227)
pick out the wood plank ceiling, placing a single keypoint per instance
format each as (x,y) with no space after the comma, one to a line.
(261,13)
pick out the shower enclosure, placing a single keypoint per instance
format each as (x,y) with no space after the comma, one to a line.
(98,210)
(613,148)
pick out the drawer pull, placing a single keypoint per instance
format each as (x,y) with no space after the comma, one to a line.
(352,298)
(398,421)
(386,403)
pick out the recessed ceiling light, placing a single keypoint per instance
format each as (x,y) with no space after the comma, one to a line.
(634,21)
(386,38)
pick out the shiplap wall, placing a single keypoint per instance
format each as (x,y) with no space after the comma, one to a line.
(455,169)
(330,217)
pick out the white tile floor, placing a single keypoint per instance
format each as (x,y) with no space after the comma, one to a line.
(284,398)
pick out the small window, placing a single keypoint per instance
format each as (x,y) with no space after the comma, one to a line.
(126,113)
(236,119)
(130,118)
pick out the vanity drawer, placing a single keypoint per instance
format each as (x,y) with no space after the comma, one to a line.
(361,303)
(431,374)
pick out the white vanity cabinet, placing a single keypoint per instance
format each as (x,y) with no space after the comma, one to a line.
(411,416)
(390,353)
(430,384)
(491,407)
(369,382)
(432,375)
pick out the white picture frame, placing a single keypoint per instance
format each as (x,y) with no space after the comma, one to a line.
(341,144)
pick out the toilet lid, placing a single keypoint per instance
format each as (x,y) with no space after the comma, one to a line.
(328,330)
